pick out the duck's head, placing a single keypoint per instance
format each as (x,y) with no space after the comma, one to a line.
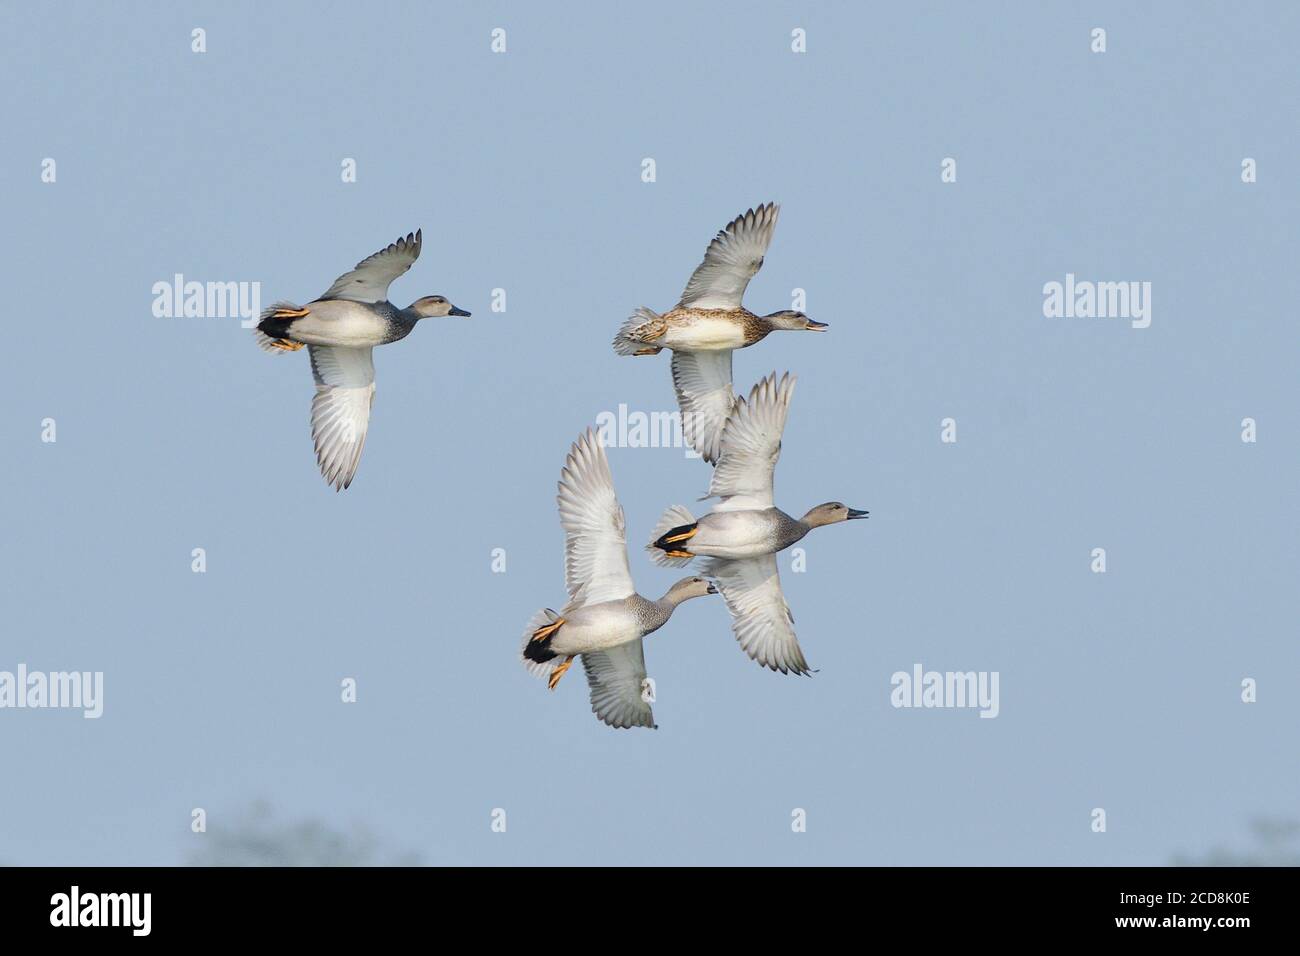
(830,513)
(792,321)
(434,307)
(688,588)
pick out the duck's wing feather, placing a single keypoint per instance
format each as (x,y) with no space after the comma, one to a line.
(760,618)
(751,445)
(595,541)
(732,259)
(702,381)
(616,678)
(370,280)
(340,412)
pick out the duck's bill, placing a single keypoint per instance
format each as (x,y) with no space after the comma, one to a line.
(855,513)
(458,311)
(815,326)
(713,589)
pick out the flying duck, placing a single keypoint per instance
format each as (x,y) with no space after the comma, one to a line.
(742,534)
(709,323)
(605,619)
(340,330)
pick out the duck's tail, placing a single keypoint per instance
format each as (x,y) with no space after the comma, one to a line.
(667,541)
(272,329)
(536,653)
(638,334)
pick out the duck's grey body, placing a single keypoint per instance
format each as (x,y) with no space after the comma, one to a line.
(341,329)
(742,534)
(348,324)
(745,534)
(605,618)
(597,627)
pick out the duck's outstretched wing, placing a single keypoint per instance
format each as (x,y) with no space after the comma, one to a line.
(751,445)
(616,679)
(340,412)
(370,280)
(595,540)
(732,259)
(702,381)
(760,618)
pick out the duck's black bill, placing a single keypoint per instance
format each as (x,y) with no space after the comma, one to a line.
(713,589)
(855,513)
(815,326)
(456,311)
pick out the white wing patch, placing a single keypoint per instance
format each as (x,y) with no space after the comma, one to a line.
(340,412)
(595,543)
(615,677)
(702,381)
(370,280)
(751,445)
(732,259)
(760,618)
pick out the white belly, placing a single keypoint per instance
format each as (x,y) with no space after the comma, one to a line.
(595,628)
(340,323)
(733,534)
(706,335)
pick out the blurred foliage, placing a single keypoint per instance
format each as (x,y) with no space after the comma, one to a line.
(258,838)
(1275,842)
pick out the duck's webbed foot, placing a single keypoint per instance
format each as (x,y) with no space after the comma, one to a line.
(558,673)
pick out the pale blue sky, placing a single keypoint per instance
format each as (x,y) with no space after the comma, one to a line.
(1118,691)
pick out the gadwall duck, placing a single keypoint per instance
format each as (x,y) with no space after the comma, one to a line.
(340,330)
(605,618)
(745,530)
(709,323)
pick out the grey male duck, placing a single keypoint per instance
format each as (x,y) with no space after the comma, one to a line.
(742,534)
(340,330)
(709,323)
(605,619)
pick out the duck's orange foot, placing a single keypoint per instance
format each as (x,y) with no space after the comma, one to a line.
(686,535)
(558,673)
(542,633)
